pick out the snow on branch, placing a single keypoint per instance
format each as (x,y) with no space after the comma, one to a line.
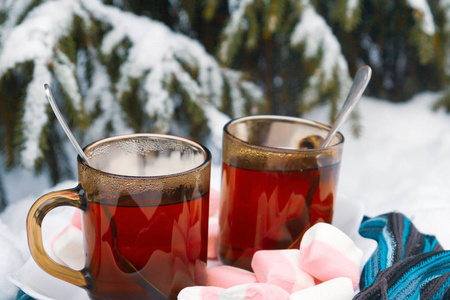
(116,72)
(348,13)
(34,40)
(233,32)
(313,32)
(423,15)
(163,58)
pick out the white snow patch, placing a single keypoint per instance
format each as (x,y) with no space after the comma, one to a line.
(236,24)
(352,5)
(35,115)
(35,36)
(65,72)
(12,258)
(427,16)
(316,35)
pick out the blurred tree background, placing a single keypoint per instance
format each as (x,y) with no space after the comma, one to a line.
(171,66)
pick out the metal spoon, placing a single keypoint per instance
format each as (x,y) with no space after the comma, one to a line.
(362,78)
(64,125)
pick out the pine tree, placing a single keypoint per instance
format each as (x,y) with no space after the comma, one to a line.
(403,40)
(286,47)
(112,72)
(199,19)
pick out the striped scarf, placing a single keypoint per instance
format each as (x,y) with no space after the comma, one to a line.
(406,264)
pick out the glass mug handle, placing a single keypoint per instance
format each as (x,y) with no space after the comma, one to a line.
(38,211)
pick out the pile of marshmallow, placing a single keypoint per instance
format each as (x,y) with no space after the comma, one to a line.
(327,266)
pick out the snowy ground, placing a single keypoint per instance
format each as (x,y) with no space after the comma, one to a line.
(400,163)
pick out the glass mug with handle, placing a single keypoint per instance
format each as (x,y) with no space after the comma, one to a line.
(145,201)
(276,183)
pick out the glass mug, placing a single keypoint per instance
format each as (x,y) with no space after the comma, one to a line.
(145,201)
(276,183)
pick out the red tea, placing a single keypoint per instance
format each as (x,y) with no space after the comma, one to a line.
(145,252)
(271,209)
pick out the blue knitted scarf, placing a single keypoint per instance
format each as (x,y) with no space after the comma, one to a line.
(406,264)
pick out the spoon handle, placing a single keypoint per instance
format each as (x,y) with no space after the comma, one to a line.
(360,83)
(64,125)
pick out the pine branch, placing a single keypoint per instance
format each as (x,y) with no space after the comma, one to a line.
(112,72)
(232,35)
(12,101)
(210,9)
(443,102)
(348,13)
(290,50)
(330,78)
(403,41)
(424,44)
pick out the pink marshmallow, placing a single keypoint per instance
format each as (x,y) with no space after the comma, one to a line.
(281,267)
(228,276)
(68,247)
(255,291)
(200,293)
(74,223)
(328,253)
(76,219)
(214,202)
(335,289)
(213,237)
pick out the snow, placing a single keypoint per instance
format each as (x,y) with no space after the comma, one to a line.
(65,70)
(238,105)
(352,5)
(12,259)
(15,10)
(111,111)
(216,121)
(235,26)
(427,21)
(35,116)
(232,6)
(400,163)
(313,31)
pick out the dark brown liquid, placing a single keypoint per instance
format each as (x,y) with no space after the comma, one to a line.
(145,252)
(271,210)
